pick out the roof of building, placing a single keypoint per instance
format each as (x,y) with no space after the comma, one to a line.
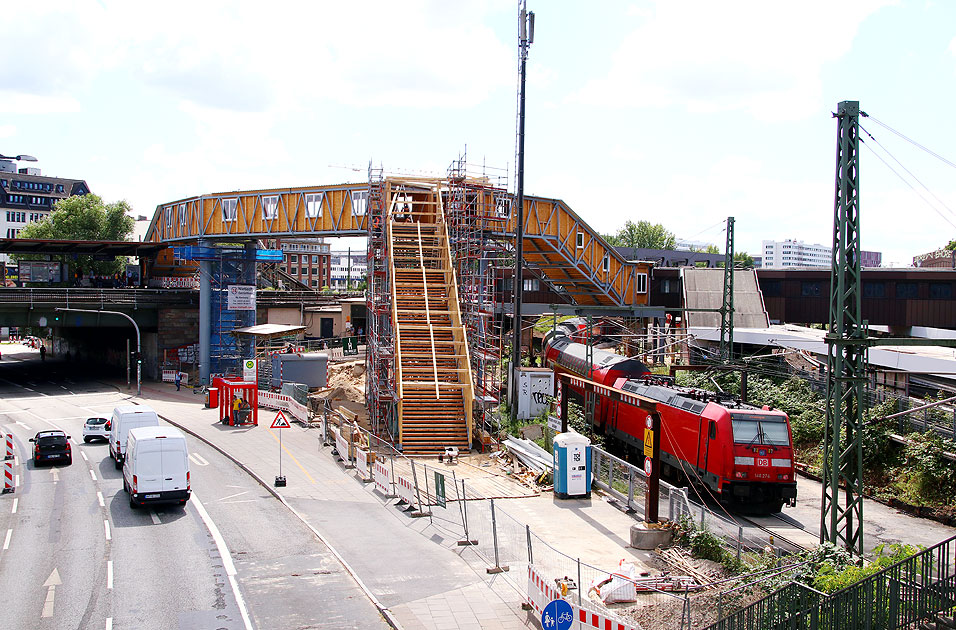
(102,248)
(268,331)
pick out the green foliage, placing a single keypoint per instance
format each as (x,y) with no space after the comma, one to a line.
(951,245)
(547,322)
(926,476)
(702,542)
(642,234)
(832,577)
(84,218)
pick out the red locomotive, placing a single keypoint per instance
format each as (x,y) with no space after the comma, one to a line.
(741,453)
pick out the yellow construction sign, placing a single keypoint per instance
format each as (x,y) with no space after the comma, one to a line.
(649,442)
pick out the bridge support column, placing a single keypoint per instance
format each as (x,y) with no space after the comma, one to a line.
(248,350)
(205,317)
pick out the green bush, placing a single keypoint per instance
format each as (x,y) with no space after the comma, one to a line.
(832,577)
(926,476)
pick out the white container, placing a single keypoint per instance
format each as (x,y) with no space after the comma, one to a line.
(535,389)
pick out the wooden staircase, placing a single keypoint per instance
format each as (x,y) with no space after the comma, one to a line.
(433,370)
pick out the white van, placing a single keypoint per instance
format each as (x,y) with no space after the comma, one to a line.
(126,417)
(156,469)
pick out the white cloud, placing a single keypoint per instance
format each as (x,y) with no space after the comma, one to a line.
(764,58)
(20,103)
(8,131)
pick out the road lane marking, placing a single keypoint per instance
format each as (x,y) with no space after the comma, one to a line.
(109,574)
(226,558)
(84,456)
(198,459)
(106,526)
(109,623)
(99,497)
(92,474)
(238,494)
(55,474)
(302,468)
(24,425)
(15,502)
(16,482)
(6,541)
(155,518)
(51,583)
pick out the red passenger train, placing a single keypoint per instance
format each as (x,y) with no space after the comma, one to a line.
(741,453)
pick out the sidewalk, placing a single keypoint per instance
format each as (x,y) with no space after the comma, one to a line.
(412,567)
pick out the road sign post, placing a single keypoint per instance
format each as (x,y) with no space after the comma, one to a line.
(280,423)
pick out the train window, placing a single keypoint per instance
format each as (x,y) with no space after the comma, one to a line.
(713,430)
(775,433)
(746,432)
(759,429)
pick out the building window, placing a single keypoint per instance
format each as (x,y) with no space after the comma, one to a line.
(940,291)
(315,282)
(230,209)
(294,271)
(874,289)
(359,202)
(507,284)
(531,284)
(282,268)
(313,205)
(294,258)
(503,205)
(59,188)
(315,260)
(606,263)
(907,290)
(270,207)
(182,214)
(315,270)
(810,289)
(580,240)
(771,288)
(641,283)
(168,215)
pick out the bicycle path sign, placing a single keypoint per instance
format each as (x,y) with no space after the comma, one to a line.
(558,615)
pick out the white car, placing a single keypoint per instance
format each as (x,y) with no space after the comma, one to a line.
(96,428)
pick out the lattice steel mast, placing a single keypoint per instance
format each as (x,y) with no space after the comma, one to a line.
(727,304)
(846,350)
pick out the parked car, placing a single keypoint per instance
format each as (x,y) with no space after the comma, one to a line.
(95,428)
(156,467)
(49,446)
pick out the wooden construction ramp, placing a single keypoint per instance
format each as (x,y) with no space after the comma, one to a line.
(433,371)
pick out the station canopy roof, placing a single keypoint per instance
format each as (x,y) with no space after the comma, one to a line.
(102,249)
(269,331)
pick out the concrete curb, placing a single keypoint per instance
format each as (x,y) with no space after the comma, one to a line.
(382,609)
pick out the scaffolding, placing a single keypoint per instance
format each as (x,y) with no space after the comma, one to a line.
(478,207)
(380,397)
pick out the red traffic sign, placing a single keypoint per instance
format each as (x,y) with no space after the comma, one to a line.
(280,422)
(648,466)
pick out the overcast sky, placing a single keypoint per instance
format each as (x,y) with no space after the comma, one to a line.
(677,112)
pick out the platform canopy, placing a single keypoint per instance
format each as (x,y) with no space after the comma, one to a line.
(269,331)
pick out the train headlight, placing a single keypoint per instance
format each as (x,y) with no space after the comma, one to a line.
(744,461)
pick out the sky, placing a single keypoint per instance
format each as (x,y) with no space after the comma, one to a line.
(679,112)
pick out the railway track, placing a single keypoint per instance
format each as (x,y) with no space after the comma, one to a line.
(787,534)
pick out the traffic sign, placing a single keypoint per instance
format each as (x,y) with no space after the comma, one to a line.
(558,615)
(648,442)
(280,422)
(349,346)
(648,466)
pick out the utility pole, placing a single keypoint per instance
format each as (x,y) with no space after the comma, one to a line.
(525,39)
(846,350)
(727,304)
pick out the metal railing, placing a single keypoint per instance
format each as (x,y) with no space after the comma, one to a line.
(95,297)
(911,591)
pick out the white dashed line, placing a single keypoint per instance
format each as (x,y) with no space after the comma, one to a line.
(16,483)
(6,541)
(109,623)
(226,558)
(199,460)
(24,426)
(155,518)
(99,497)
(109,574)
(106,526)
(84,456)
(92,474)
(15,503)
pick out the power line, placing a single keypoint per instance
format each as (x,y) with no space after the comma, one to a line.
(913,142)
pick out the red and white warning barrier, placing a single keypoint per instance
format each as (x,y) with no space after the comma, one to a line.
(169,376)
(541,593)
(273,400)
(361,463)
(9,454)
(299,411)
(406,491)
(8,477)
(380,475)
(342,446)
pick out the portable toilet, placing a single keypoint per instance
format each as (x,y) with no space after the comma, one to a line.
(572,466)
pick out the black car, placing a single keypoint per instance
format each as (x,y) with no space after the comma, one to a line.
(51,446)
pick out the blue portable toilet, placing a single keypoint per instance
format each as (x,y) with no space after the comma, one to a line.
(572,466)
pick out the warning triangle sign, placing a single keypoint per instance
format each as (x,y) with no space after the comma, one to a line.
(280,422)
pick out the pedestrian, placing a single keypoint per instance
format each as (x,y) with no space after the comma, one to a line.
(236,403)
(179,380)
(43,353)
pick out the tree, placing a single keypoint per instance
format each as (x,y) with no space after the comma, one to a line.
(84,218)
(742,260)
(643,234)
(951,245)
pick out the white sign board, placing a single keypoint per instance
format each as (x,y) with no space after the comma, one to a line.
(241,297)
(249,370)
(554,422)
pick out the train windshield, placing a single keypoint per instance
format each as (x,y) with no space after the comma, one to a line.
(758,429)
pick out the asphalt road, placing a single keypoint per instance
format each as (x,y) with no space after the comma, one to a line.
(74,555)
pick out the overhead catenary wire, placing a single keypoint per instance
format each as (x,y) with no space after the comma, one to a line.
(913,142)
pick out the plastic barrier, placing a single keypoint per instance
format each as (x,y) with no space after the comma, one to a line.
(9,454)
(380,475)
(342,446)
(361,463)
(8,477)
(541,593)
(299,411)
(169,376)
(272,400)
(406,491)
